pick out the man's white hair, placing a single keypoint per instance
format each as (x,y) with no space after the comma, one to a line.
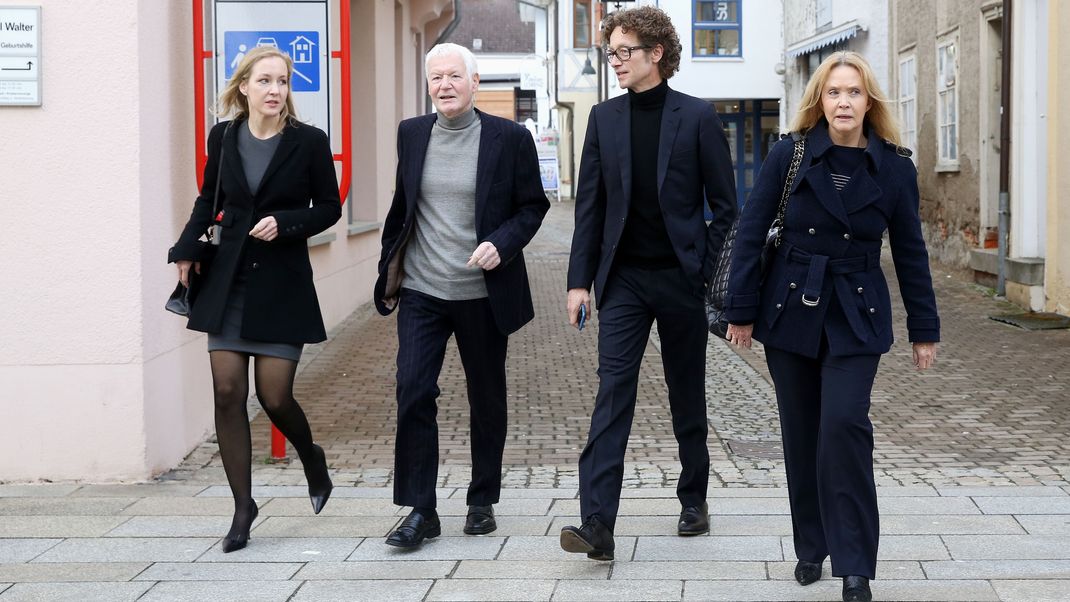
(448,48)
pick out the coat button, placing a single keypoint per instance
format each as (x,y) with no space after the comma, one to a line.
(846,236)
(778,305)
(256,266)
(872,310)
(812,231)
(860,290)
(792,286)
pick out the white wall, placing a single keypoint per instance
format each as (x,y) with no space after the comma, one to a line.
(1029,129)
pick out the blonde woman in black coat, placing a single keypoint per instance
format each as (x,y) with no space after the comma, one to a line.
(277,188)
(823,310)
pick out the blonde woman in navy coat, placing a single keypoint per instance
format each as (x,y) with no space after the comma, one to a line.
(823,311)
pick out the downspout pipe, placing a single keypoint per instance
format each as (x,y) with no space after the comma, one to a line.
(1004,152)
(442,38)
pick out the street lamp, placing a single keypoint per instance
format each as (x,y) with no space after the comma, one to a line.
(588,68)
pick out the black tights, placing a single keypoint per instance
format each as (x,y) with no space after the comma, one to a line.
(274,378)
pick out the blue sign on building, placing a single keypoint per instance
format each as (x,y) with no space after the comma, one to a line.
(300,45)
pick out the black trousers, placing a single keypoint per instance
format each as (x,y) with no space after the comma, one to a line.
(828,453)
(425,325)
(633,299)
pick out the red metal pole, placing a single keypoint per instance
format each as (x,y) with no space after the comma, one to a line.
(199,100)
(278,445)
(346,157)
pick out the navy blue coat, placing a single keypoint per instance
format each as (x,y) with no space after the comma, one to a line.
(510,205)
(694,170)
(830,252)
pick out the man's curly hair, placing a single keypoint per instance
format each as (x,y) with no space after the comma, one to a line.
(652,26)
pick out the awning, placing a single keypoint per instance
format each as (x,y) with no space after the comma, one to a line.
(826,38)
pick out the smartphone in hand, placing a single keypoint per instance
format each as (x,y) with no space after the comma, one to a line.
(583,316)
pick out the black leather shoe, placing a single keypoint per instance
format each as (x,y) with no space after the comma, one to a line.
(238,536)
(856,589)
(319,480)
(480,520)
(592,538)
(414,529)
(694,520)
(807,572)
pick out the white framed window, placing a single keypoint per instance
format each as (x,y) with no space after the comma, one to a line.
(947,103)
(908,102)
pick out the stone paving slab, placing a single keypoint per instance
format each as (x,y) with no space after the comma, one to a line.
(665,525)
(198,591)
(75,592)
(175,526)
(1035,491)
(514,506)
(49,506)
(326,526)
(220,571)
(998,569)
(549,548)
(348,507)
(1044,524)
(926,505)
(545,569)
(36,490)
(507,525)
(998,547)
(31,572)
(193,506)
(757,547)
(58,526)
(363,591)
(492,590)
(829,589)
(24,550)
(689,569)
(664,507)
(138,490)
(440,548)
(1033,591)
(949,524)
(301,491)
(127,549)
(357,570)
(286,549)
(886,569)
(600,591)
(1023,505)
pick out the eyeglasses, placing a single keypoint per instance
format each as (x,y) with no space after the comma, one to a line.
(624,52)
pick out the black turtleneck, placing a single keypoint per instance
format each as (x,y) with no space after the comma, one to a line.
(645,241)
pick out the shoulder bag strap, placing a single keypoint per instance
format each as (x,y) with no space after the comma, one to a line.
(793,169)
(215,230)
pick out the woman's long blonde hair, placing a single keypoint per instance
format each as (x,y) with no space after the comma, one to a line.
(880,118)
(234,104)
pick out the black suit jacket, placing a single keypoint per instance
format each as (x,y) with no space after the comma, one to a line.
(694,170)
(280,299)
(510,205)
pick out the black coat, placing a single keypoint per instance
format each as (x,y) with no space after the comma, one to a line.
(510,205)
(844,229)
(694,171)
(280,298)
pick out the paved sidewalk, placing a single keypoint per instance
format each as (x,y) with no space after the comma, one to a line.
(972,458)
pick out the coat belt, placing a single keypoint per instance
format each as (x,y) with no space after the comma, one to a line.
(823,264)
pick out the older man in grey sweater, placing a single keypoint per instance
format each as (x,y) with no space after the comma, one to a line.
(468,198)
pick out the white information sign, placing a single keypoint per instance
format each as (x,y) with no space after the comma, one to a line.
(20,55)
(297,27)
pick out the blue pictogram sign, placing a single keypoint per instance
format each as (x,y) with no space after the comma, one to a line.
(302,46)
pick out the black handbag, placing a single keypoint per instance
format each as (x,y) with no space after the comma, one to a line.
(182,298)
(718,286)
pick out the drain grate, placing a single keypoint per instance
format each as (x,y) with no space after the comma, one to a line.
(1034,320)
(764,450)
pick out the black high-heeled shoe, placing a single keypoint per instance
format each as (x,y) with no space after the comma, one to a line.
(319,480)
(238,536)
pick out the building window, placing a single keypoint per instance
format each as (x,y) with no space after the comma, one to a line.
(526,105)
(947,104)
(581,23)
(717,29)
(908,102)
(824,14)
